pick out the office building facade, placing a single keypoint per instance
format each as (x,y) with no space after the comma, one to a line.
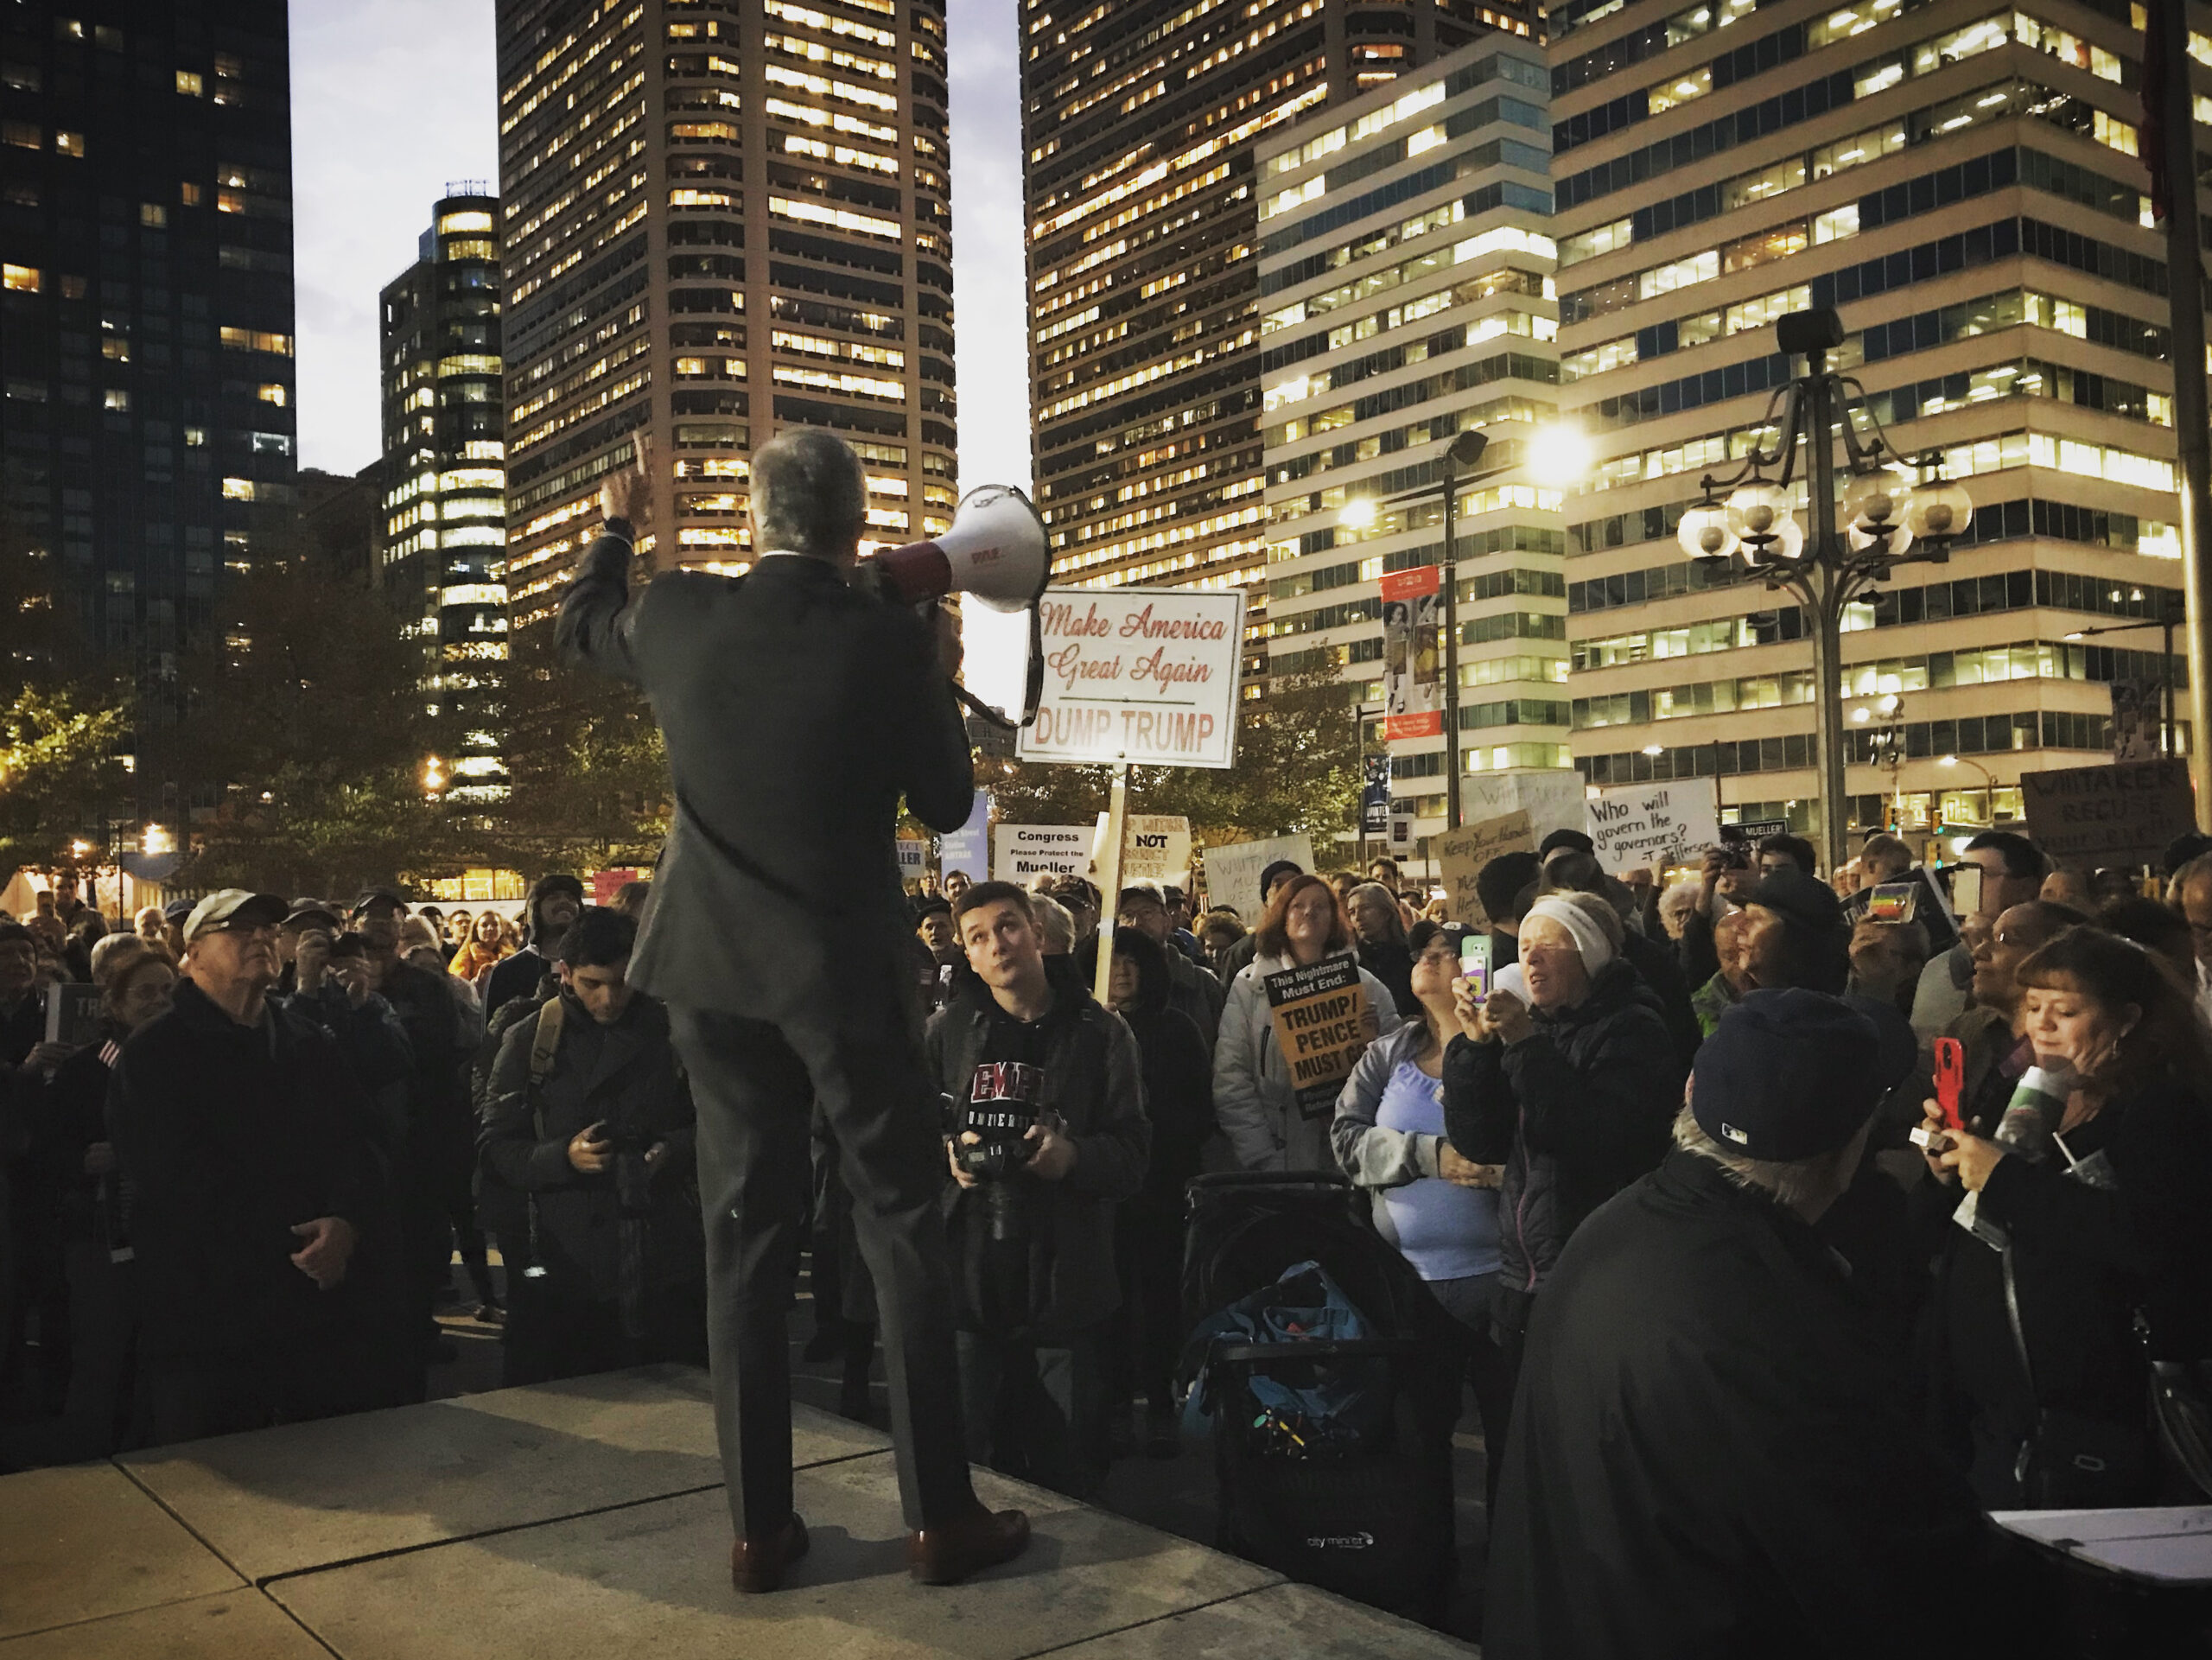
(1962,186)
(442,556)
(1406,287)
(719,219)
(147,431)
(1139,125)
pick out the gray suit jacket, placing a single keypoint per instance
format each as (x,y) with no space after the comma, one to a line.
(797,709)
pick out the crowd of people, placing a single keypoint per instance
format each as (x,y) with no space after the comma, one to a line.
(1674,1168)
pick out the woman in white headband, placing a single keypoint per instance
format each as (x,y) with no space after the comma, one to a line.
(1572,1085)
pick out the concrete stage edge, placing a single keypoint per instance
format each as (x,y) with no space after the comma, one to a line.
(587,1519)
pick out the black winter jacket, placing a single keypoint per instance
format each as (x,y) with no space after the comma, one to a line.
(1575,1112)
(627,1076)
(2085,1258)
(1711,1456)
(229,1135)
(1093,1080)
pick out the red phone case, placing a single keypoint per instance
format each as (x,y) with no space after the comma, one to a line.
(1950,1079)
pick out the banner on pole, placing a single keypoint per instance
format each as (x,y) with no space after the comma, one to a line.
(2137,725)
(1413,700)
(1375,795)
(1139,675)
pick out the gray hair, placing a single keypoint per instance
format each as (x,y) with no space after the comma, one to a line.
(1788,1183)
(810,494)
(1681,896)
(1390,903)
(1054,923)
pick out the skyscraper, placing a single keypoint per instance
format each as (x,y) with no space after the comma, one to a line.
(719,219)
(1407,298)
(1963,189)
(1139,123)
(146,336)
(441,557)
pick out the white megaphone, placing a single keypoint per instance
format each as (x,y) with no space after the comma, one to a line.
(996,551)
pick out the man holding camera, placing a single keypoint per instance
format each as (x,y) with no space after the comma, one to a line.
(590,1119)
(800,705)
(1046,1134)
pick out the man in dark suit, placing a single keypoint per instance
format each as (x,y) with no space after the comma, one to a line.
(798,707)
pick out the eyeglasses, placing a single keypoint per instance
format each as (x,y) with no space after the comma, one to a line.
(1449,954)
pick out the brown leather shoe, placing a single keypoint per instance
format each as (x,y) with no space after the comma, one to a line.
(948,1555)
(759,1561)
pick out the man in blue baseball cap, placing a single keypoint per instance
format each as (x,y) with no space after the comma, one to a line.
(1713,1452)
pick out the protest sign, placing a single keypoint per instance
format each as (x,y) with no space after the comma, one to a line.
(1021,851)
(606,884)
(1155,847)
(1551,796)
(1322,1023)
(1461,855)
(1751,831)
(73,1015)
(1138,675)
(913,858)
(2122,814)
(1654,824)
(966,849)
(1233,872)
(1413,698)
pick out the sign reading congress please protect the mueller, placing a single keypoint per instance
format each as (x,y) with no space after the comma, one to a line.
(1145,675)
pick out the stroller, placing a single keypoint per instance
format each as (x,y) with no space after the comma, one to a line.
(1332,1453)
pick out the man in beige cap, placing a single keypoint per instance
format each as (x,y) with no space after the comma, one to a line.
(242,1132)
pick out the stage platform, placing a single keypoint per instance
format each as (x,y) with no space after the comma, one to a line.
(587,1519)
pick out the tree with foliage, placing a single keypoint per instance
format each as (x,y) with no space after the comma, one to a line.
(306,717)
(590,783)
(1297,769)
(65,718)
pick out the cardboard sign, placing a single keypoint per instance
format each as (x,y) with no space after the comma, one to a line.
(1322,1023)
(1143,675)
(1654,824)
(1155,847)
(1551,796)
(1020,851)
(1233,872)
(2122,814)
(1412,695)
(965,848)
(73,1015)
(1461,855)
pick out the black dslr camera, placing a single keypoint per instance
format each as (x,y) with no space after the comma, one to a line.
(1000,1152)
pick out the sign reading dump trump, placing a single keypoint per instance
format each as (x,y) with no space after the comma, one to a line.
(1138,675)
(1322,1023)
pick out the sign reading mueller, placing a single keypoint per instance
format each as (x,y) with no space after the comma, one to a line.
(1138,676)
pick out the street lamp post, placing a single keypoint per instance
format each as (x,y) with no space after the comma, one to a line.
(2166,621)
(1464,451)
(1988,781)
(1890,523)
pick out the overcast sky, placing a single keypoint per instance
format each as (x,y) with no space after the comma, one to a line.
(393,98)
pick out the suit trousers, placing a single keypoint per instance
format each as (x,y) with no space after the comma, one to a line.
(754,1083)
